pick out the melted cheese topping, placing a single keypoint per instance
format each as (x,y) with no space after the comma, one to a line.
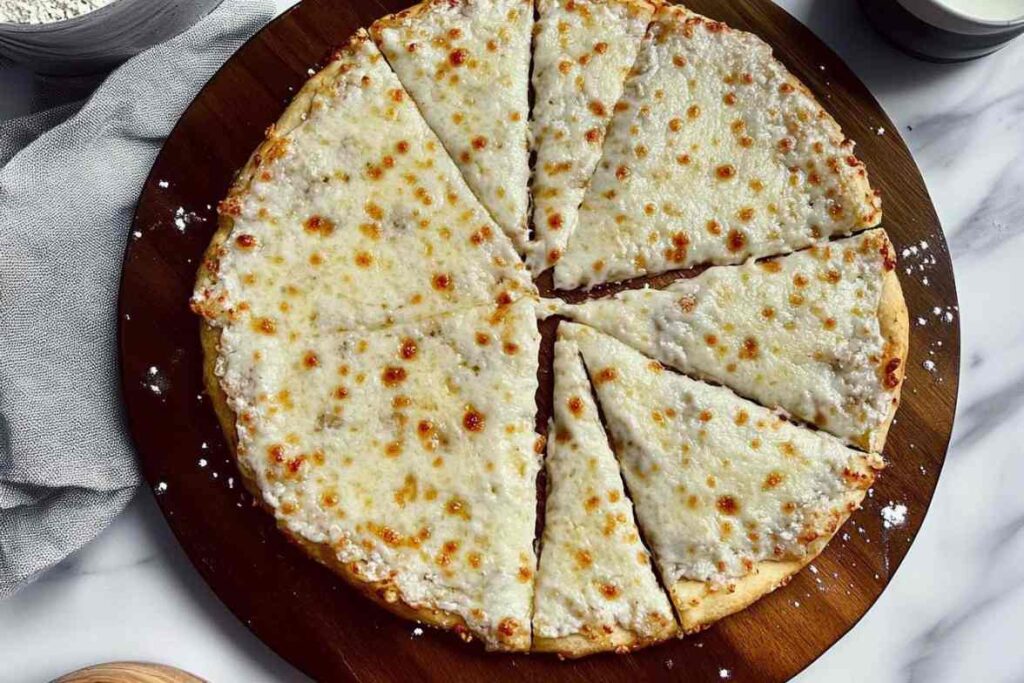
(583,50)
(719,483)
(594,571)
(345,225)
(715,154)
(467,65)
(410,451)
(799,333)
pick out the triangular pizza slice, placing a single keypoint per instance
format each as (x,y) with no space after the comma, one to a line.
(596,590)
(716,153)
(467,65)
(403,458)
(732,499)
(821,334)
(336,224)
(583,50)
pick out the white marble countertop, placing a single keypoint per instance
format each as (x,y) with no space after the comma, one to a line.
(953,609)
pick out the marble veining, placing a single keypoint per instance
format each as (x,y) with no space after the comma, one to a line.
(955,609)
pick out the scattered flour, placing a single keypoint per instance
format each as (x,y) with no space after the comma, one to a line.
(46,11)
(894,515)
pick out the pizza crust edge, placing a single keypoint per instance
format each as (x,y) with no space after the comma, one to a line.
(894,324)
(698,608)
(619,640)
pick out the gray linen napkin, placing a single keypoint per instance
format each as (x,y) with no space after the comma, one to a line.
(66,463)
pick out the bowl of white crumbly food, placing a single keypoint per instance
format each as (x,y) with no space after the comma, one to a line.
(89,36)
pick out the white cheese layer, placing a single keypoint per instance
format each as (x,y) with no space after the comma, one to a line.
(800,333)
(719,483)
(583,50)
(409,450)
(715,154)
(594,571)
(467,65)
(348,225)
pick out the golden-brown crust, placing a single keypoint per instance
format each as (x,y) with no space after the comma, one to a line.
(894,324)
(698,606)
(639,6)
(398,19)
(604,639)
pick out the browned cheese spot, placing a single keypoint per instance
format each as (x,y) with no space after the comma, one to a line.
(748,351)
(408,349)
(318,225)
(393,376)
(442,282)
(575,404)
(473,420)
(725,172)
(735,241)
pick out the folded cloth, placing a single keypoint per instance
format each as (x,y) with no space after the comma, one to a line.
(67,467)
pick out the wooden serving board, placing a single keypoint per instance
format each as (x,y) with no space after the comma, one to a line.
(308,615)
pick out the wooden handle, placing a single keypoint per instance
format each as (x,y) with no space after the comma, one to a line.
(129,672)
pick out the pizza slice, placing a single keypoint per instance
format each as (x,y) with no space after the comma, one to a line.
(732,499)
(405,459)
(347,224)
(595,587)
(466,63)
(716,153)
(583,50)
(821,334)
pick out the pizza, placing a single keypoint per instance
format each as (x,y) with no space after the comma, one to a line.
(595,587)
(821,334)
(467,65)
(369,322)
(583,51)
(732,498)
(715,153)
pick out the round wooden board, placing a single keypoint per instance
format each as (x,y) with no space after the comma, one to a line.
(308,615)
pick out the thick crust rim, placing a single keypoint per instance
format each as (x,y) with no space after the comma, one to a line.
(894,324)
(619,640)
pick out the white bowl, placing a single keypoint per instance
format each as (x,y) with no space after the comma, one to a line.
(100,39)
(932,30)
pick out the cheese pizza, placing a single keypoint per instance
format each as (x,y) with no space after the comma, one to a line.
(732,499)
(715,154)
(467,65)
(371,345)
(583,50)
(595,587)
(821,334)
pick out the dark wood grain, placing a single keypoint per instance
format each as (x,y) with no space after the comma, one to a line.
(314,620)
